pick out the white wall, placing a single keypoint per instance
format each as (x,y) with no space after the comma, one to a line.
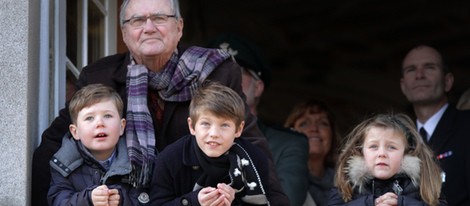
(19,37)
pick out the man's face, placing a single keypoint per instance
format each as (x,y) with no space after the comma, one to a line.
(150,40)
(423,80)
(252,88)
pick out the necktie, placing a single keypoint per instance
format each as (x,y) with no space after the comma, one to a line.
(423,134)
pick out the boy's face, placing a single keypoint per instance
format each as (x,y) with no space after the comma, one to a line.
(214,135)
(98,127)
(383,152)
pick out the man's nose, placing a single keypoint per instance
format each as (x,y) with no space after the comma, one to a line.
(420,73)
(149,25)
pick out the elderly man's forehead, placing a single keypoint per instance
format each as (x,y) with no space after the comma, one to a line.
(148,7)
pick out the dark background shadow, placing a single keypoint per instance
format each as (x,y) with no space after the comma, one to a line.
(347,53)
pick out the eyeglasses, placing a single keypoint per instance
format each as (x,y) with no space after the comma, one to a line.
(156,19)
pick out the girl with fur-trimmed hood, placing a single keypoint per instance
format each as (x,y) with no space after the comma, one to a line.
(386,163)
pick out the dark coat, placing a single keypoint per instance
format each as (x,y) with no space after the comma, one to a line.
(290,156)
(452,134)
(409,197)
(177,170)
(75,173)
(367,189)
(112,71)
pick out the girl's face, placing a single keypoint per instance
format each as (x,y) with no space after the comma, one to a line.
(383,151)
(317,128)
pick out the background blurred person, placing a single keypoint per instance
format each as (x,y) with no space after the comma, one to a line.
(314,119)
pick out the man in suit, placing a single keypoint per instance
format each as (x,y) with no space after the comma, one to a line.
(425,82)
(289,148)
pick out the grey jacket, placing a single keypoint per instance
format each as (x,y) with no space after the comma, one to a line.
(75,173)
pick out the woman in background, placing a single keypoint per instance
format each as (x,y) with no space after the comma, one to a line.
(314,119)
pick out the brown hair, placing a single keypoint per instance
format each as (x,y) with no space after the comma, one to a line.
(218,99)
(314,106)
(430,180)
(90,95)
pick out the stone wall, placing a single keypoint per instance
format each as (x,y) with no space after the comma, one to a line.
(19,37)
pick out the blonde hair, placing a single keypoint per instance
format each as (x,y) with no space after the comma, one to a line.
(219,100)
(430,179)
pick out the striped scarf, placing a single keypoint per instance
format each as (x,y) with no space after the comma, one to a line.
(176,83)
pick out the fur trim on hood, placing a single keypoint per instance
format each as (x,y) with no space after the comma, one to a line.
(359,175)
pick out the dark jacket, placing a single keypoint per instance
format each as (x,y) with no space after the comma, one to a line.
(75,173)
(367,189)
(319,188)
(112,71)
(177,170)
(452,134)
(290,156)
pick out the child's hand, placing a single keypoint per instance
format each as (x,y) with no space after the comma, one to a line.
(387,199)
(209,196)
(100,196)
(113,197)
(228,193)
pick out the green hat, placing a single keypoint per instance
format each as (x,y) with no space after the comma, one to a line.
(245,53)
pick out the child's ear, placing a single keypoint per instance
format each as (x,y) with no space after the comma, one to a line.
(191,129)
(73,131)
(240,129)
(123,125)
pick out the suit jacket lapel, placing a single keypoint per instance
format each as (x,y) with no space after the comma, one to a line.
(443,131)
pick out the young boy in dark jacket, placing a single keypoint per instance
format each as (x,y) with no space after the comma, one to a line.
(212,166)
(92,166)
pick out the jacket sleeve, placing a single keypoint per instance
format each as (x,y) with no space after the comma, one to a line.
(361,200)
(290,155)
(166,183)
(409,201)
(62,192)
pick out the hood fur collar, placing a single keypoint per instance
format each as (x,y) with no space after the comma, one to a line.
(360,176)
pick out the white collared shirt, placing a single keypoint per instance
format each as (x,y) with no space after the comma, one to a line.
(431,124)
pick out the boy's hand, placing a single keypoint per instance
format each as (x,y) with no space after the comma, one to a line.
(113,197)
(210,196)
(227,192)
(100,196)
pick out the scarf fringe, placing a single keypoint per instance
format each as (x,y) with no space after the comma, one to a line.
(140,176)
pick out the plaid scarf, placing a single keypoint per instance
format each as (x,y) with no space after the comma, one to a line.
(177,83)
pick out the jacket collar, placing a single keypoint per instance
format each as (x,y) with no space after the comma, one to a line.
(68,158)
(360,176)
(444,129)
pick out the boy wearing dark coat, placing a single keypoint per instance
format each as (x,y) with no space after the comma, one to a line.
(92,165)
(212,166)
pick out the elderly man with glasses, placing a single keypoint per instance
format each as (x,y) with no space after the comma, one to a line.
(156,79)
